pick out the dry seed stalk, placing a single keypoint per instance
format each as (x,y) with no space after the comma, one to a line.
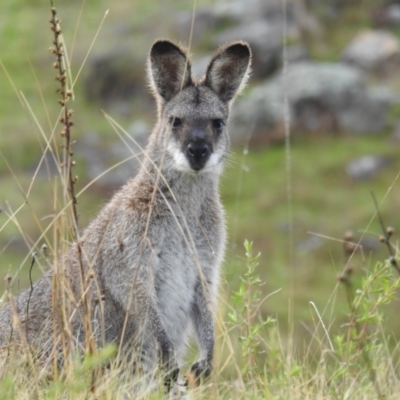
(66,119)
(385,238)
(68,162)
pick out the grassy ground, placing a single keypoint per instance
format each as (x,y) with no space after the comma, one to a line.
(300,241)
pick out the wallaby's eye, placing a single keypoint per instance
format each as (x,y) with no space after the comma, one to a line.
(175,122)
(217,124)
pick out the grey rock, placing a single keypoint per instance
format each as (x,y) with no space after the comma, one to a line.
(262,26)
(115,79)
(393,14)
(46,168)
(366,167)
(131,150)
(98,161)
(310,244)
(387,15)
(259,22)
(251,10)
(369,114)
(199,67)
(90,150)
(369,245)
(252,118)
(375,51)
(207,19)
(265,40)
(396,133)
(297,54)
(322,97)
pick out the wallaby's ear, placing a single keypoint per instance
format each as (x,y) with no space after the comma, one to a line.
(229,69)
(169,69)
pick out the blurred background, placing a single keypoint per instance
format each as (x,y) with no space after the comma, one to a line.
(328,70)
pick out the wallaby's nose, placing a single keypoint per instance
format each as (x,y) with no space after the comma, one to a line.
(197,153)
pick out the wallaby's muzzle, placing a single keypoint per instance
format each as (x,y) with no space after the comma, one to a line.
(198,152)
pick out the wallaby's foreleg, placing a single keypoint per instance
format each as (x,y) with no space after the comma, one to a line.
(168,358)
(203,319)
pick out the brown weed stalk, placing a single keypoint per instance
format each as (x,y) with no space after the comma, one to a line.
(354,323)
(385,238)
(70,180)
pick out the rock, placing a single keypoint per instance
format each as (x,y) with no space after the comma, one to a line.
(369,245)
(114,79)
(89,149)
(265,40)
(396,133)
(46,168)
(259,22)
(297,54)
(272,11)
(98,160)
(387,15)
(374,51)
(252,120)
(310,244)
(251,10)
(207,19)
(369,114)
(199,66)
(393,14)
(367,167)
(322,97)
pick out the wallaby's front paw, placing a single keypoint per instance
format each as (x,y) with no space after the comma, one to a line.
(199,371)
(170,378)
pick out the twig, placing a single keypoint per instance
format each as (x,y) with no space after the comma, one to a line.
(387,233)
(30,292)
(8,280)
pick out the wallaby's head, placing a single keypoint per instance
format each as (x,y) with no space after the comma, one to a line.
(193,114)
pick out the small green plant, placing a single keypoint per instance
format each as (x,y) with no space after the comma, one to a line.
(361,347)
(247,317)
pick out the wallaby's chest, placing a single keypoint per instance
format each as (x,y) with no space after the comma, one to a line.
(191,250)
(191,241)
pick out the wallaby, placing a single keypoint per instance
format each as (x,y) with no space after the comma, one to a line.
(154,251)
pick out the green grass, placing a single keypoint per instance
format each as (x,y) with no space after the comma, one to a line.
(325,204)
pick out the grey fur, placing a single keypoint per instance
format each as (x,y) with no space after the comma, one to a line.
(156,248)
